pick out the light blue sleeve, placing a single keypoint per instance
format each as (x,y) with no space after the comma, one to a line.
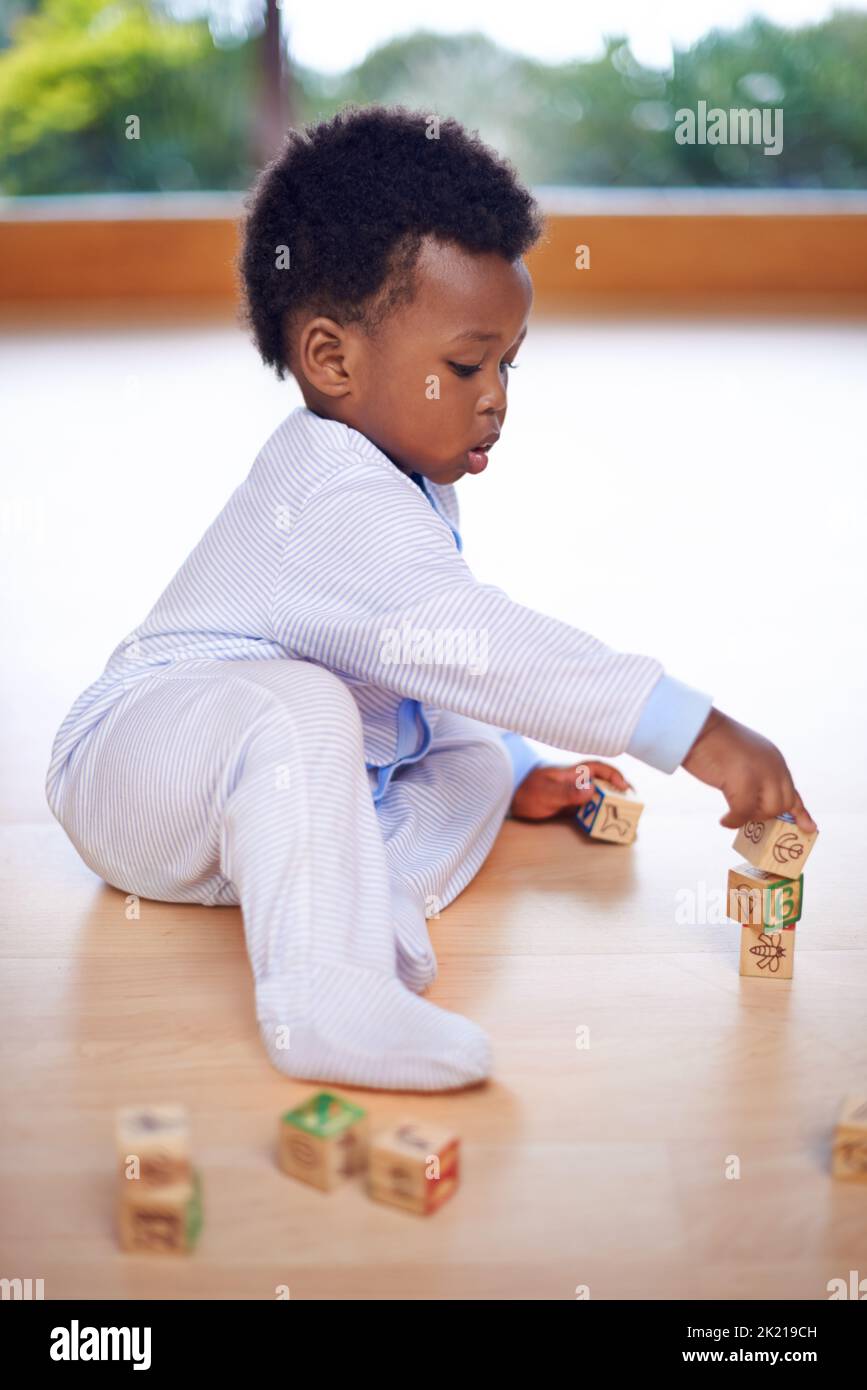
(669,724)
(524,758)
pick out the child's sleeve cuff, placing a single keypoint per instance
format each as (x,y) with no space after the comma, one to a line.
(524,758)
(669,724)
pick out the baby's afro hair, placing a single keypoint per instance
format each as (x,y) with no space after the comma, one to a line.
(351,199)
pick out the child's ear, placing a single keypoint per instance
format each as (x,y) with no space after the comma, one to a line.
(322,353)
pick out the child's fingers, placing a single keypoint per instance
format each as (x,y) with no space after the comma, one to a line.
(742,809)
(802,815)
(576,794)
(609,774)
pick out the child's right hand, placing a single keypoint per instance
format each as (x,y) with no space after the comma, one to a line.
(749,770)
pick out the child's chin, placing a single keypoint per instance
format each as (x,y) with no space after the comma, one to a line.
(449,472)
(445,474)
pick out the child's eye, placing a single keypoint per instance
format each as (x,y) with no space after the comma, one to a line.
(463,369)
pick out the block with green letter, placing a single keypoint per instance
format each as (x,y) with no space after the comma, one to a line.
(323,1140)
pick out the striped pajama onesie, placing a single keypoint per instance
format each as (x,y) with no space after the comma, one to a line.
(320,721)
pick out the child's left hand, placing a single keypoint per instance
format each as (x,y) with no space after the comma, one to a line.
(549,791)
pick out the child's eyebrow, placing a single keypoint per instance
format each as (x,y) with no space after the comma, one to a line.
(471,335)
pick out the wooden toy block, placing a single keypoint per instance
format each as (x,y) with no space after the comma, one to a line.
(757,898)
(610,814)
(849,1154)
(323,1140)
(153,1143)
(767,955)
(778,845)
(160,1220)
(414,1166)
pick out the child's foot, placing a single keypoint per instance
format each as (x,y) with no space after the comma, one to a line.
(344,1024)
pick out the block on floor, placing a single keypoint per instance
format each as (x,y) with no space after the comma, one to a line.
(414,1166)
(767,955)
(323,1140)
(153,1144)
(849,1154)
(610,814)
(163,1220)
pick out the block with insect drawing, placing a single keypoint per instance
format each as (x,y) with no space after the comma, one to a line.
(610,814)
(414,1166)
(757,898)
(162,1220)
(767,955)
(323,1140)
(153,1144)
(778,845)
(849,1154)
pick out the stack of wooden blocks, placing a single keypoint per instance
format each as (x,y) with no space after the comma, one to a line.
(766,894)
(160,1205)
(409,1164)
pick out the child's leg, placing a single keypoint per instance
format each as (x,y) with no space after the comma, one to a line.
(439,819)
(245,781)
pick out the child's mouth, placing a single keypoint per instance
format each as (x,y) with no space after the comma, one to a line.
(478,460)
(478,457)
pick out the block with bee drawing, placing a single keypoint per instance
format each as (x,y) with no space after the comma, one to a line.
(777,845)
(757,898)
(849,1155)
(767,955)
(323,1140)
(163,1220)
(610,814)
(153,1144)
(414,1166)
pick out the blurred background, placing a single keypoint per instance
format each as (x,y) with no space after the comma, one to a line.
(578,100)
(691,401)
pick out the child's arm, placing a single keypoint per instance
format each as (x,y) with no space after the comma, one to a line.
(750,772)
(367,559)
(367,566)
(670,722)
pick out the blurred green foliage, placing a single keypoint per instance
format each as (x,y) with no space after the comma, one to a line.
(72,71)
(77,69)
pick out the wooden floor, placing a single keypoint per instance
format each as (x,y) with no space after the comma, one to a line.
(602,1166)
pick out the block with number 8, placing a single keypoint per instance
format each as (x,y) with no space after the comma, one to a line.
(778,845)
